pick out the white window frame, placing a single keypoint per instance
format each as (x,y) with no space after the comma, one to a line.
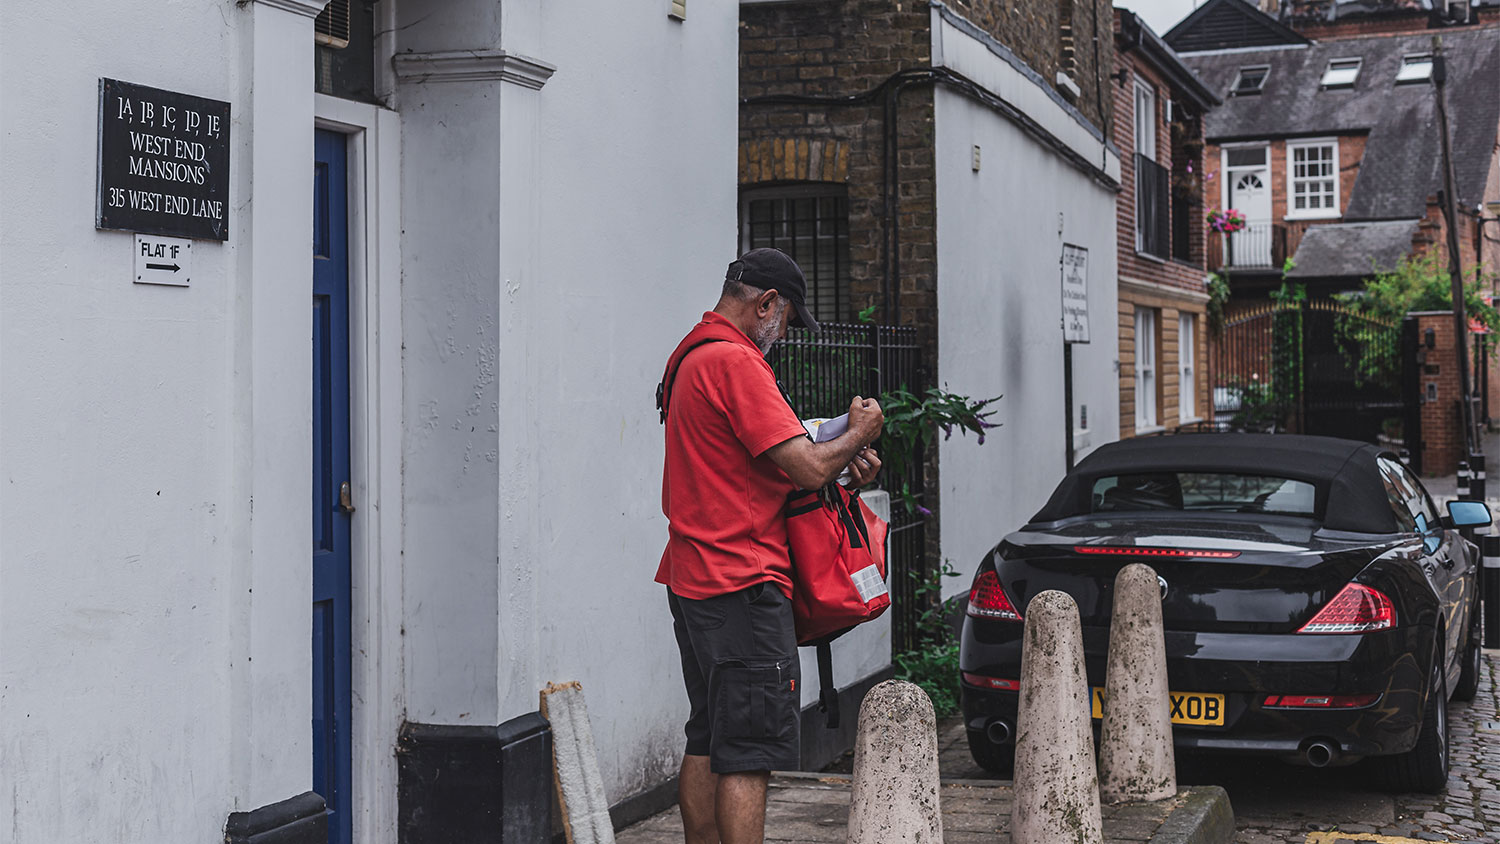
(1415,67)
(1236,91)
(1187,373)
(1342,77)
(1145,92)
(1146,417)
(1332,211)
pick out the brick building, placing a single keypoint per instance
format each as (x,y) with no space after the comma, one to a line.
(1328,140)
(1159,106)
(933,160)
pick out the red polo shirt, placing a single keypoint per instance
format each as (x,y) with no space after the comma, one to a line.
(722,496)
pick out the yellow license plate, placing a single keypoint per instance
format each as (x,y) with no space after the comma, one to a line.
(1197,708)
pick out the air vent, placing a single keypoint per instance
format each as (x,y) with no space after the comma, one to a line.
(331,29)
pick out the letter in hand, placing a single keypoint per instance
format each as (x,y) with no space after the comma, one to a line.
(865,419)
(863,468)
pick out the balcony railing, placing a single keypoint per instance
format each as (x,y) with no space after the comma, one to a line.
(1256,246)
(1153,208)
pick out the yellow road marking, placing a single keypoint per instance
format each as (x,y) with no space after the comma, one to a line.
(1335,837)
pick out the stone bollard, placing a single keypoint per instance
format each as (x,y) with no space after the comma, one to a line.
(1056,784)
(1136,761)
(895,768)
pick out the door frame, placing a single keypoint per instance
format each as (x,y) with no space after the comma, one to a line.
(377,678)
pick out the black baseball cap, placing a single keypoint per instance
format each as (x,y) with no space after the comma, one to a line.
(772,269)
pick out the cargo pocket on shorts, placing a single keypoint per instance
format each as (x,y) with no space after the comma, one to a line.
(757,700)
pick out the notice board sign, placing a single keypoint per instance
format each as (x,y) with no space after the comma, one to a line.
(1075,294)
(163,162)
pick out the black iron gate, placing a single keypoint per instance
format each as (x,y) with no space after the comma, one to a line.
(1313,367)
(822,371)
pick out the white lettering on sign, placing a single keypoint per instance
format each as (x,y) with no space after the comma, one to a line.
(163,260)
(1075,294)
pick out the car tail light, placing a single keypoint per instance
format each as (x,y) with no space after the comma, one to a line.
(1319,701)
(987,598)
(1137,551)
(1355,609)
(984,682)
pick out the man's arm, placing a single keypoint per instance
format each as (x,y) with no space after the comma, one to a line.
(811,465)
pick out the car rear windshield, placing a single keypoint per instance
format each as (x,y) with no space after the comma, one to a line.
(1222,492)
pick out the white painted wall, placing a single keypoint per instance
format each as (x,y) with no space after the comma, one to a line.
(1000,233)
(154,627)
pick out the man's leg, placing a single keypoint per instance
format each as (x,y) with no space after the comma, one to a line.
(740,807)
(696,785)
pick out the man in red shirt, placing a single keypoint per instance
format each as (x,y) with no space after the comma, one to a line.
(735,449)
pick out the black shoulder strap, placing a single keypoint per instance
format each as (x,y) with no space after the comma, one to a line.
(828,695)
(664,387)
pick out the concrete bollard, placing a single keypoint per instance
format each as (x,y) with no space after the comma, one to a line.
(895,795)
(1056,783)
(1136,761)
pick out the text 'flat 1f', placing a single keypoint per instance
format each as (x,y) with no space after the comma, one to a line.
(163,260)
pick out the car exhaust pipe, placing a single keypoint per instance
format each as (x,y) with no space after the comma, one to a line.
(1321,754)
(997,731)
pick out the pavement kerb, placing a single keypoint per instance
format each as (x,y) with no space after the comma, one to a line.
(1205,817)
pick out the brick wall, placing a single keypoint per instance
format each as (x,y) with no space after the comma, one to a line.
(838,49)
(1351,157)
(1170,287)
(1033,30)
(1442,422)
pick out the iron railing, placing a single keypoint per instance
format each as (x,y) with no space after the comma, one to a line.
(1153,207)
(1256,246)
(822,372)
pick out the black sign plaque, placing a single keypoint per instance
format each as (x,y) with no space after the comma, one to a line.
(163,162)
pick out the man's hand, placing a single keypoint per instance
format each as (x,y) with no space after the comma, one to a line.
(865,420)
(863,468)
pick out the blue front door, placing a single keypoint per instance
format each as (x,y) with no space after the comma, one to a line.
(331,500)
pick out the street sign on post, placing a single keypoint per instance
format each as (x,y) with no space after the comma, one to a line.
(1075,294)
(1075,326)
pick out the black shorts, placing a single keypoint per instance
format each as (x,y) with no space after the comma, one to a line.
(740,666)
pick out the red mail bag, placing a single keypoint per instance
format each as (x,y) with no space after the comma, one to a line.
(838,562)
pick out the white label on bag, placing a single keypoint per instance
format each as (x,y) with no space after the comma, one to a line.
(869,583)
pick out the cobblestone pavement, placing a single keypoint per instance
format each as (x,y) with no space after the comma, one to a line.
(1279,803)
(1285,804)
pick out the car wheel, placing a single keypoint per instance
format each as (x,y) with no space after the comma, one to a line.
(998,759)
(1424,768)
(1468,676)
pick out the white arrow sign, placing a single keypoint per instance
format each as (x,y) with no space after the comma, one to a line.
(163,260)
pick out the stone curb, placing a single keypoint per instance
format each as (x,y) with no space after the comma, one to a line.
(1205,817)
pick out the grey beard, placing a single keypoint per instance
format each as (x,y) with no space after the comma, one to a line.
(766,334)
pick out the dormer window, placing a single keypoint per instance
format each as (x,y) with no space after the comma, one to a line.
(1415,68)
(1250,80)
(1341,73)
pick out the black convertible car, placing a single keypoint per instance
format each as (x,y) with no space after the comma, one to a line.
(1317,606)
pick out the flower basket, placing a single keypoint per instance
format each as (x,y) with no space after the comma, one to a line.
(1226,220)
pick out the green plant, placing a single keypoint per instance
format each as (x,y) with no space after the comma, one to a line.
(867,315)
(931,661)
(911,424)
(1257,407)
(1286,347)
(1417,283)
(1218,297)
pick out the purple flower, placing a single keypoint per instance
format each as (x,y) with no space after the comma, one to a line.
(923,510)
(981,438)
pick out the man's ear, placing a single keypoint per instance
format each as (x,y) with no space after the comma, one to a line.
(767,302)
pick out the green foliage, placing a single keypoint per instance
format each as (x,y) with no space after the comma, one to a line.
(867,315)
(1286,348)
(911,424)
(1218,297)
(1416,284)
(932,663)
(1258,411)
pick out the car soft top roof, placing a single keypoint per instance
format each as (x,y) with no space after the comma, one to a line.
(1350,491)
